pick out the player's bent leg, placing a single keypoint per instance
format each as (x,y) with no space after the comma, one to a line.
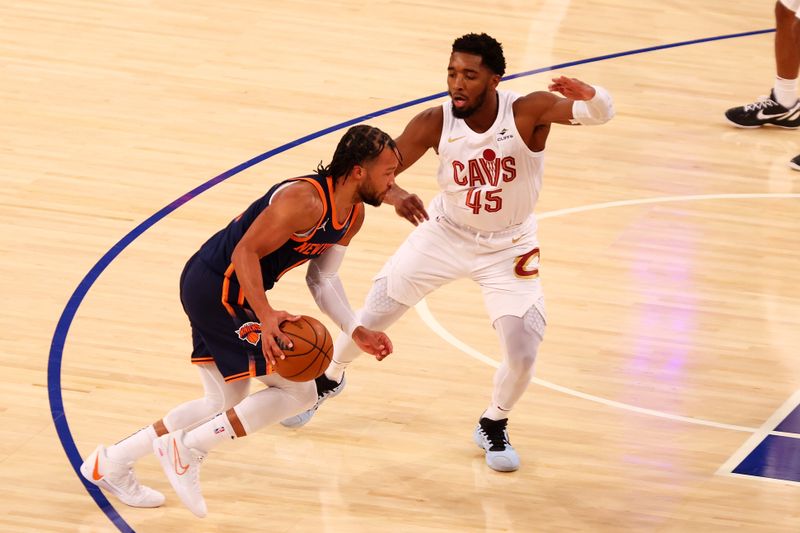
(380,311)
(181,453)
(219,396)
(112,468)
(520,338)
(280,400)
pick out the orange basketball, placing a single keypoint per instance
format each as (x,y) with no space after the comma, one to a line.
(312,350)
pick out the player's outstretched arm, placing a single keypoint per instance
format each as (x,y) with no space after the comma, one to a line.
(582,103)
(420,134)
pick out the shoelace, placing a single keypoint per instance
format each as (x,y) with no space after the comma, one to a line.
(763,102)
(496,435)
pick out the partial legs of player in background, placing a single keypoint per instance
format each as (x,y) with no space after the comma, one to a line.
(782,107)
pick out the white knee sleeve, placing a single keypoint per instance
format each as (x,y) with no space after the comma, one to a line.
(280,400)
(219,396)
(520,338)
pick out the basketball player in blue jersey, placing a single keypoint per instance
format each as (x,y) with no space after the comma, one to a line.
(235,330)
(491,146)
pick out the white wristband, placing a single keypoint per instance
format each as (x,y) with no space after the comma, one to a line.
(352,326)
(598,110)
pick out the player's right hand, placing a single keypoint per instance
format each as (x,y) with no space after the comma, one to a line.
(410,207)
(376,343)
(272,338)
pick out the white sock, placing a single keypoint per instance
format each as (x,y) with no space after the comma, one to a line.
(134,447)
(336,369)
(495,412)
(206,436)
(785,92)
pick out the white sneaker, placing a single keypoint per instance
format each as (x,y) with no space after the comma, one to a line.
(492,436)
(119,480)
(182,466)
(326,388)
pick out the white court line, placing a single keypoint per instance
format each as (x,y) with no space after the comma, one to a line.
(759,435)
(424,312)
(662,199)
(426,315)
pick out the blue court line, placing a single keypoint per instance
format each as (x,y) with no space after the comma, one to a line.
(68,314)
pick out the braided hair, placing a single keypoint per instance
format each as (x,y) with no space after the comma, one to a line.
(361,144)
(483,45)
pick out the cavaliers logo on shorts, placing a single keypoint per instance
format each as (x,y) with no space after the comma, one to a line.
(250,332)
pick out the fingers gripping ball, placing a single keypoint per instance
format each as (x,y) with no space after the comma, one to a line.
(311,352)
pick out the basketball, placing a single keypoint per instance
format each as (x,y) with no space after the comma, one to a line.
(312,349)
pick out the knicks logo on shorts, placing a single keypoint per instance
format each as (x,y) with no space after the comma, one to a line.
(250,332)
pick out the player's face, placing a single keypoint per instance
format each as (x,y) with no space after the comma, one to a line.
(469,82)
(379,178)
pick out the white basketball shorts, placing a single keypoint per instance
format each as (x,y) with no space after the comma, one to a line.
(504,264)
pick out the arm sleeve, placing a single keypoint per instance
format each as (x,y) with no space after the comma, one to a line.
(598,110)
(323,281)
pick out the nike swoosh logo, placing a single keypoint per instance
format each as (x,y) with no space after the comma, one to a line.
(761,116)
(178,462)
(514,240)
(454,139)
(96,472)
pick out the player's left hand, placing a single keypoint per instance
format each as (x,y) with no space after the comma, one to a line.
(376,343)
(572,88)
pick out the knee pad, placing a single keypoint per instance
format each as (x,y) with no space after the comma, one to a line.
(534,321)
(380,310)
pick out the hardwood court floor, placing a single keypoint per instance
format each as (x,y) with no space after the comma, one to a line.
(673,322)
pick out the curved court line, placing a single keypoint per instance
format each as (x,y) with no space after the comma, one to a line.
(425,314)
(59,339)
(664,199)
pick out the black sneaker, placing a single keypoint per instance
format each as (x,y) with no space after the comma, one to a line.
(795,163)
(326,388)
(492,436)
(764,112)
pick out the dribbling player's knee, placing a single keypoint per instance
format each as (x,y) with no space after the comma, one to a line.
(213,405)
(231,394)
(232,400)
(303,393)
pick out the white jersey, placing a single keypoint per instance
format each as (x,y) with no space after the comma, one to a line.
(489,181)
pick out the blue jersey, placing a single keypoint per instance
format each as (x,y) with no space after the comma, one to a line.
(216,252)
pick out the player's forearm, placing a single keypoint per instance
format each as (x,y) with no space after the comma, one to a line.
(597,110)
(395,195)
(247,265)
(331,298)
(326,287)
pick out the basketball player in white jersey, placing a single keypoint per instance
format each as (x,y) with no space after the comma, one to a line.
(481,226)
